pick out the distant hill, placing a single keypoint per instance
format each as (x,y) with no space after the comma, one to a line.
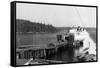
(25,26)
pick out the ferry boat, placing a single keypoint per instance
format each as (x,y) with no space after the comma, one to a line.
(84,47)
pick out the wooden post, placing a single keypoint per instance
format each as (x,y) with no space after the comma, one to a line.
(44,53)
(56,49)
(22,55)
(17,56)
(33,54)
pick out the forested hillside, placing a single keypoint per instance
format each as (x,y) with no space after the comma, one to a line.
(25,26)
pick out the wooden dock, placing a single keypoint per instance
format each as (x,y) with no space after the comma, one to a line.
(43,61)
(39,54)
(51,61)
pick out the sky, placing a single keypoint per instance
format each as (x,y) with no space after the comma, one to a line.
(59,16)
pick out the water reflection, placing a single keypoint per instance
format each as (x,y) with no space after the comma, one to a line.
(63,54)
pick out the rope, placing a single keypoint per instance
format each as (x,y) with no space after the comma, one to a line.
(79,16)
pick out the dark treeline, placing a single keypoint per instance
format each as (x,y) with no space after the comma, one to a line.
(25,26)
